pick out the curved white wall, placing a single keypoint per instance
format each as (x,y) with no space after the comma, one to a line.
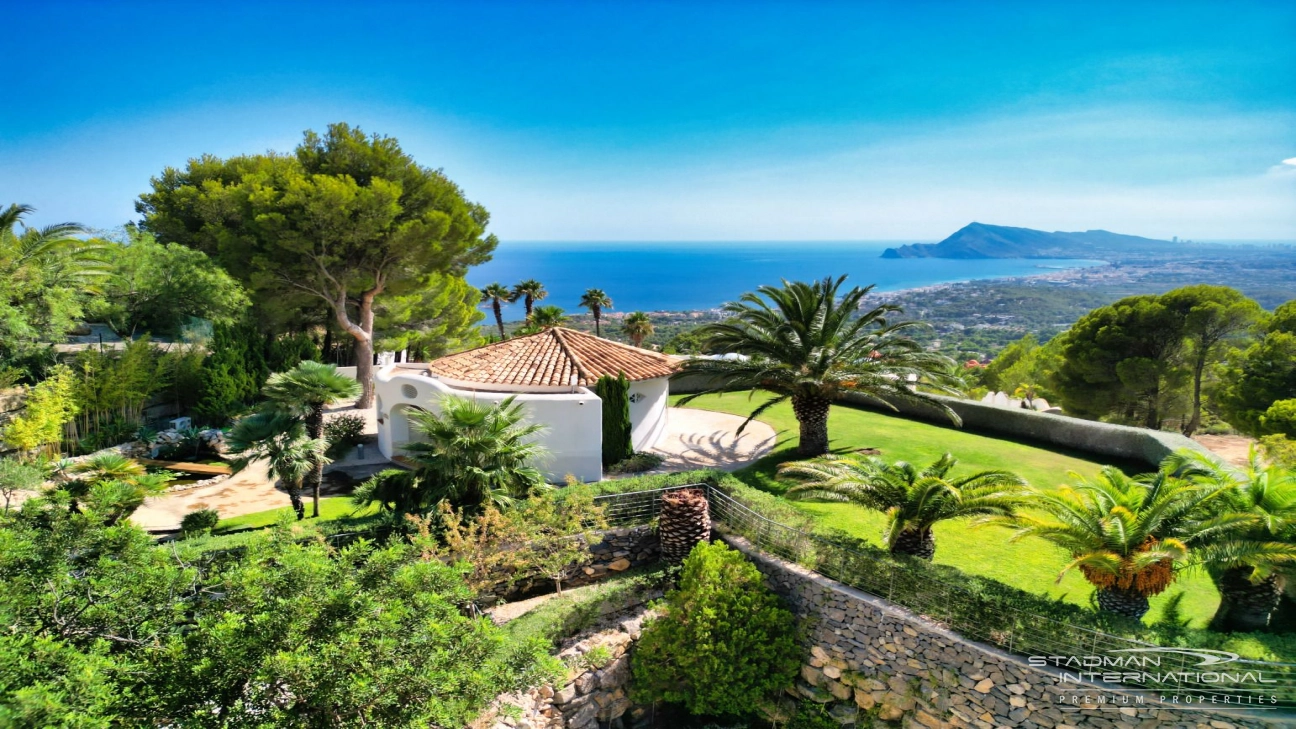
(574,420)
(648,409)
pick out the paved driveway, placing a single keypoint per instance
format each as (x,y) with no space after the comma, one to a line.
(704,439)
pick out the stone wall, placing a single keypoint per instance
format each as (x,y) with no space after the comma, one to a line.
(870,661)
(595,692)
(617,550)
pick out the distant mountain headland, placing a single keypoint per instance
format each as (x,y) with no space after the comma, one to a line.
(979,240)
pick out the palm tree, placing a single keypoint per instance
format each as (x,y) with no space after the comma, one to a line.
(107,467)
(596,301)
(114,485)
(474,452)
(1247,566)
(547,317)
(530,291)
(304,392)
(804,343)
(1127,536)
(913,500)
(497,295)
(53,255)
(638,327)
(281,440)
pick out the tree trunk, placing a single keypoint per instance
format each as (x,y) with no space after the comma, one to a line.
(499,317)
(916,543)
(363,334)
(1194,422)
(1245,605)
(315,426)
(684,521)
(1129,603)
(598,331)
(294,497)
(812,413)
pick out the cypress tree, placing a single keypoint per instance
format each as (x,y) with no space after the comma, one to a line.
(615,394)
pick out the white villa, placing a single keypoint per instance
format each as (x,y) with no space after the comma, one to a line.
(551,374)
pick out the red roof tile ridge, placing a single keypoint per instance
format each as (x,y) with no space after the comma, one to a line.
(576,362)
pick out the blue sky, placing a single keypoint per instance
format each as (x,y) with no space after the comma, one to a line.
(689,121)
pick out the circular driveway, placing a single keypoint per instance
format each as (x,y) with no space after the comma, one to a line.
(696,439)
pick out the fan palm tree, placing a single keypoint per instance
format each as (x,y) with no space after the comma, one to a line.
(304,392)
(638,327)
(497,295)
(547,317)
(596,301)
(107,467)
(1127,536)
(1247,566)
(473,452)
(530,291)
(913,500)
(281,440)
(114,485)
(805,343)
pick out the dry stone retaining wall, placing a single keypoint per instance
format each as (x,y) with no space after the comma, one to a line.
(595,692)
(870,660)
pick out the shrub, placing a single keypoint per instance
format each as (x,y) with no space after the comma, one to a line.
(343,433)
(615,394)
(724,641)
(638,463)
(1280,450)
(200,522)
(812,716)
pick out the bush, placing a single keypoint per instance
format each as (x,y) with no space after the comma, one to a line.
(812,716)
(196,523)
(343,433)
(638,463)
(724,642)
(614,392)
(1279,449)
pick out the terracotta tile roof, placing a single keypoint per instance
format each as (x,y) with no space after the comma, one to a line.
(550,358)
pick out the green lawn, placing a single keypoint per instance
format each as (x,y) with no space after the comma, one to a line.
(331,508)
(1031,564)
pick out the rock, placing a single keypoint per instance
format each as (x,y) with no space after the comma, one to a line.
(844,714)
(864,699)
(928,720)
(890,713)
(616,674)
(812,675)
(839,690)
(832,671)
(565,695)
(620,565)
(985,686)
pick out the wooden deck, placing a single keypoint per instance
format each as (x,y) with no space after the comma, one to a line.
(200,469)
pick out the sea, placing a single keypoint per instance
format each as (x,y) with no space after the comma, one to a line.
(675,276)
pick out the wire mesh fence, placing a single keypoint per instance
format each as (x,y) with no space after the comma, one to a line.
(1081,654)
(633,508)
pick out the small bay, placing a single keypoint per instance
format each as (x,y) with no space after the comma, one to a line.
(697,276)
